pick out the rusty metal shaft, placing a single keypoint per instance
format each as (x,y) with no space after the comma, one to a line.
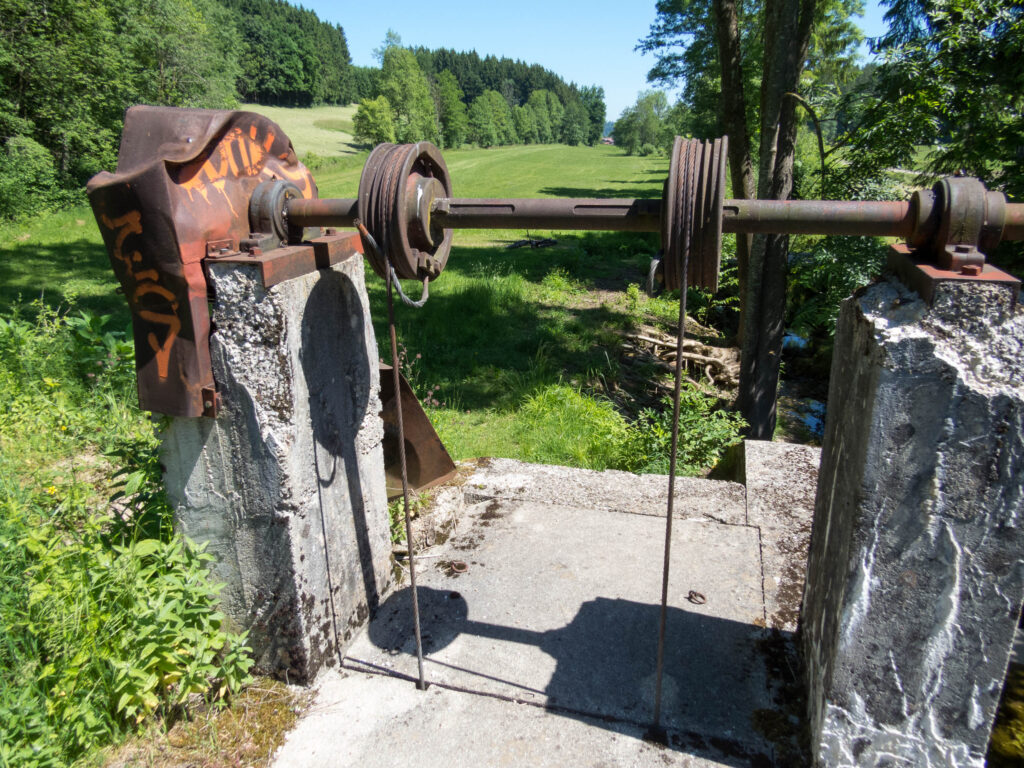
(808,217)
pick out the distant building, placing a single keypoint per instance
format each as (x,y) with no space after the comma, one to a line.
(607,140)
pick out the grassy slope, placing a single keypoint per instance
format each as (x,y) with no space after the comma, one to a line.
(503,325)
(325,131)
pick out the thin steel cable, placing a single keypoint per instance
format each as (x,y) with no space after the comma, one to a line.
(422,682)
(687,174)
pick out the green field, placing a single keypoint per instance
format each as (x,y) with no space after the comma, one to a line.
(325,131)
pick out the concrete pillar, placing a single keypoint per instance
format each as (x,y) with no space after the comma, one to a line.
(287,483)
(915,576)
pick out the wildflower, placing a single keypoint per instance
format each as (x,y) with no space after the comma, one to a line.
(52,490)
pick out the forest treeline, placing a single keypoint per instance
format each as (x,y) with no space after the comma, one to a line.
(452,97)
(70,68)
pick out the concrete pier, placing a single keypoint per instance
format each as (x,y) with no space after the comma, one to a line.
(287,483)
(915,576)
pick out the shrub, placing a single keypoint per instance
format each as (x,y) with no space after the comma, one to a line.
(28,178)
(106,617)
(704,433)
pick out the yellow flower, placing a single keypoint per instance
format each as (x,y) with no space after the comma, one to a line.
(63,428)
(52,490)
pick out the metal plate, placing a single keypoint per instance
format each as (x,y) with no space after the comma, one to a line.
(184,179)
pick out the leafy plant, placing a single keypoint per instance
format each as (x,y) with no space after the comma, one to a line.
(704,433)
(106,617)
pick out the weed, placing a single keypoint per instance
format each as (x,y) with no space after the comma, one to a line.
(106,617)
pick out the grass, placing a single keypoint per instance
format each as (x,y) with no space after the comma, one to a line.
(325,131)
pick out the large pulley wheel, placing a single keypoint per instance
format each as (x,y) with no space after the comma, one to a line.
(691,224)
(398,185)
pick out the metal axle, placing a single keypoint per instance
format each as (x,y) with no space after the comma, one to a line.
(803,217)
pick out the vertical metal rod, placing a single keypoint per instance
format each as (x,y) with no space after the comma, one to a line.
(421,683)
(657,732)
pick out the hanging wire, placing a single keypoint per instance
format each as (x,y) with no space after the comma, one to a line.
(392,282)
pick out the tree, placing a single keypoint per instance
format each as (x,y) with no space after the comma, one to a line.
(538,103)
(407,90)
(575,124)
(391,40)
(526,125)
(481,122)
(950,80)
(642,125)
(501,115)
(372,121)
(592,99)
(556,112)
(451,110)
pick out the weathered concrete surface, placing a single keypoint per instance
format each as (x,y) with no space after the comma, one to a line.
(287,483)
(553,630)
(781,480)
(915,576)
(610,490)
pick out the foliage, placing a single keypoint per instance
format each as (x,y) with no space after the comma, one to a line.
(451,110)
(288,55)
(949,80)
(405,87)
(482,130)
(642,125)
(504,127)
(704,433)
(106,617)
(373,123)
(28,178)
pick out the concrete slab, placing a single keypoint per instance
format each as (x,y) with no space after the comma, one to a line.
(781,481)
(372,721)
(611,490)
(542,652)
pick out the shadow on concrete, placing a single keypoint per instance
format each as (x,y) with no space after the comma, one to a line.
(336,365)
(605,664)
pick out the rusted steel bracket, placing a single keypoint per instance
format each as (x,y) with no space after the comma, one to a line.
(916,270)
(180,196)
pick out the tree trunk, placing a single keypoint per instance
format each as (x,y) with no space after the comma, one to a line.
(734,122)
(787,33)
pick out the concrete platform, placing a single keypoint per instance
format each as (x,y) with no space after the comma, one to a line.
(540,620)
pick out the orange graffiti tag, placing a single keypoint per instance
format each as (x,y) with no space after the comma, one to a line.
(145,284)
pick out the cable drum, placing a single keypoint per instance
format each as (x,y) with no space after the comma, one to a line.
(397,185)
(691,227)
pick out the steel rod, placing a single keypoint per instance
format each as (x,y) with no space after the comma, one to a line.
(641,215)
(796,217)
(818,217)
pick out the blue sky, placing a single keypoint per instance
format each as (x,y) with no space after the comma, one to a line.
(588,43)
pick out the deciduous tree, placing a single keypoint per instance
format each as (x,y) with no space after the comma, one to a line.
(406,89)
(373,123)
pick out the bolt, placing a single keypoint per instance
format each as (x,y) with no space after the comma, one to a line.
(207,404)
(973,270)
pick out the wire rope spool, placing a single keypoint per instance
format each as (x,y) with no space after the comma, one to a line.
(691,219)
(396,190)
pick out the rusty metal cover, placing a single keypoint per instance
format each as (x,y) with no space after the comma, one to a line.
(184,178)
(427,461)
